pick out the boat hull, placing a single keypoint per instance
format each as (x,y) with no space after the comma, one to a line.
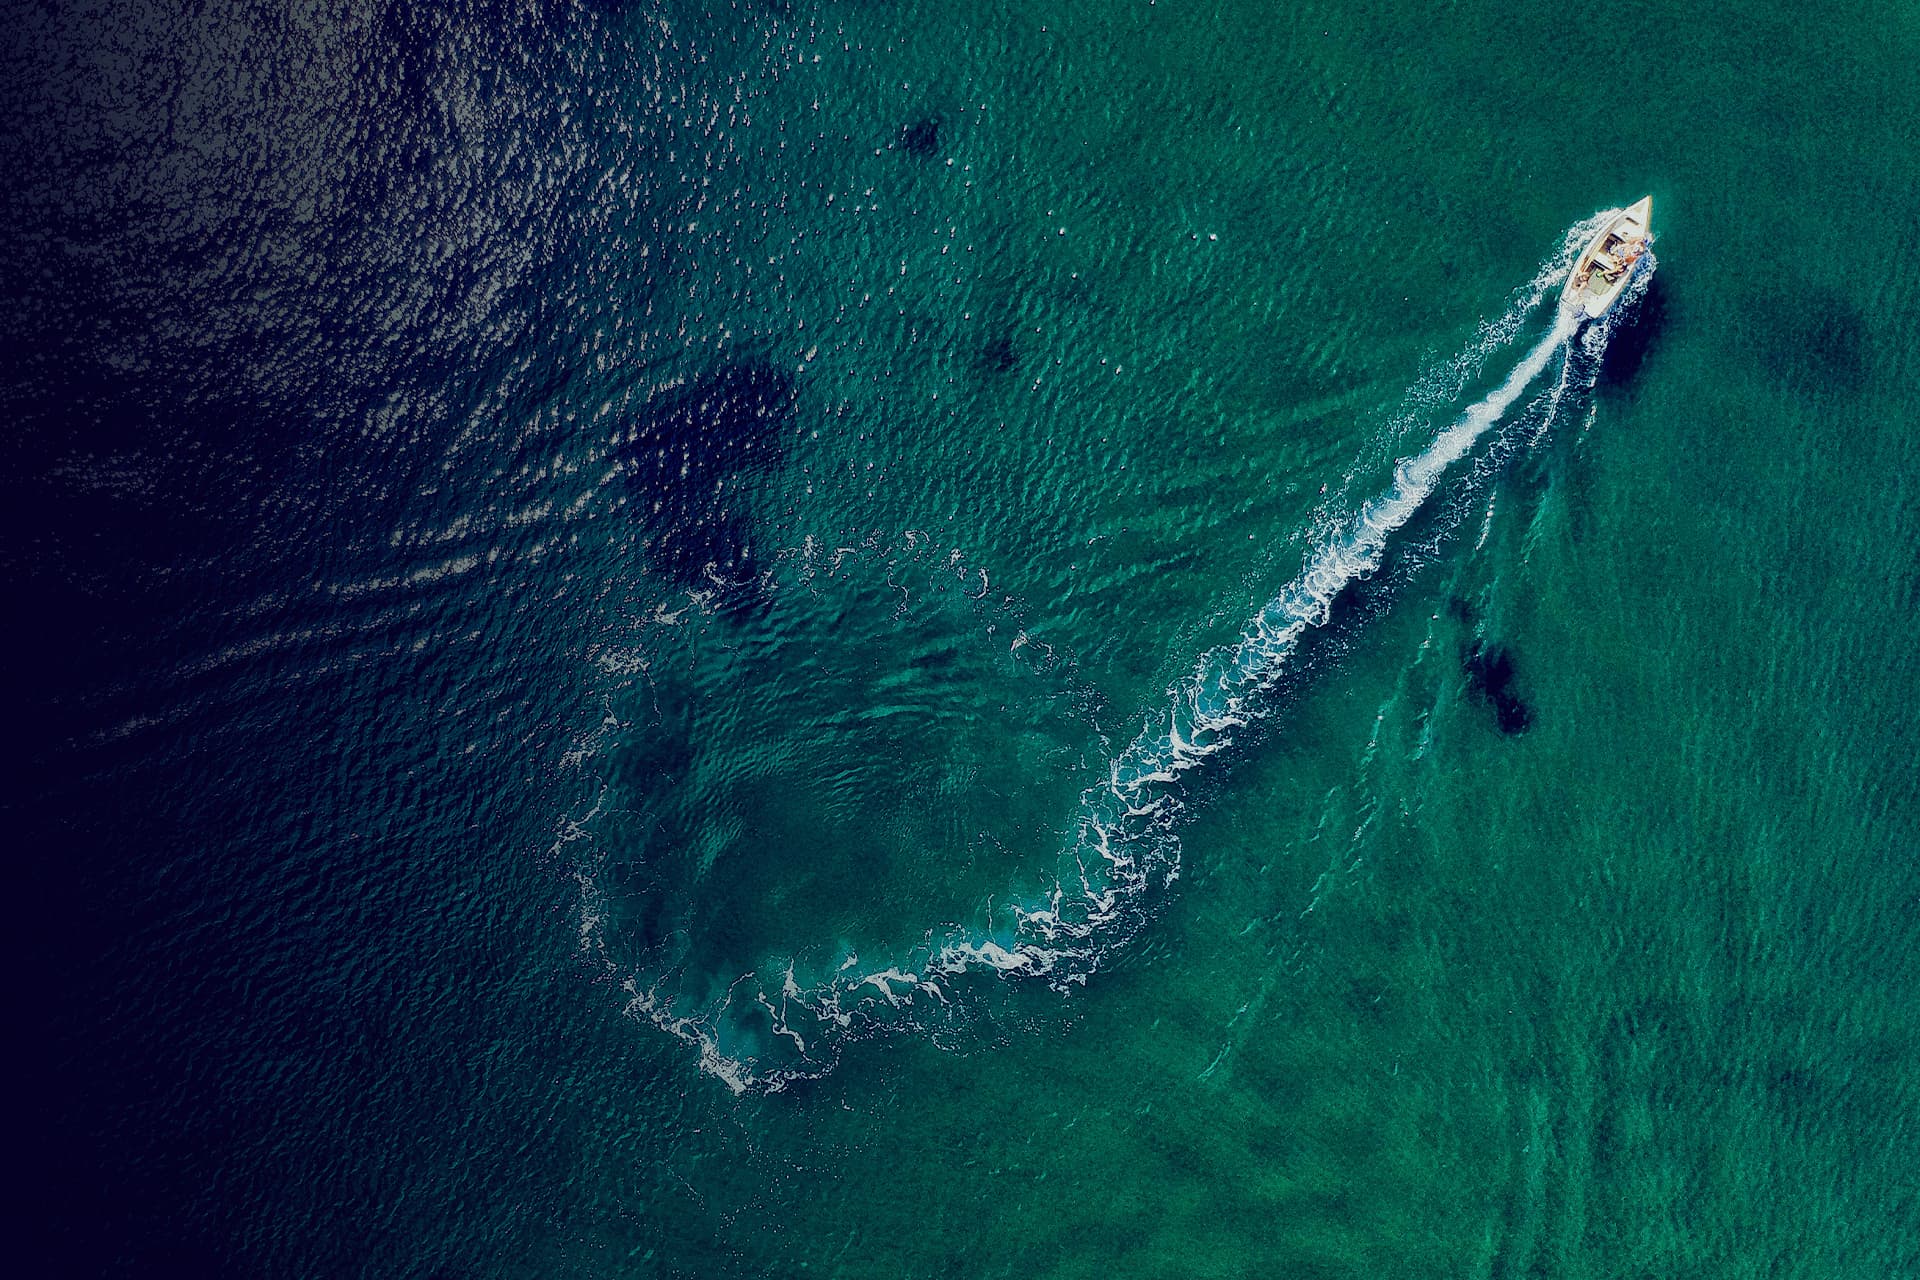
(1601,272)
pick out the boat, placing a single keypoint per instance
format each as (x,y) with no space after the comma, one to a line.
(1601,272)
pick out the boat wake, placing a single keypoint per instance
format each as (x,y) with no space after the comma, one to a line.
(766,1029)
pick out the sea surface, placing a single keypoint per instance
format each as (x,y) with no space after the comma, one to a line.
(993,640)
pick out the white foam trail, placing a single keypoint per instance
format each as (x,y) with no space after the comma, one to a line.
(1122,847)
(1223,694)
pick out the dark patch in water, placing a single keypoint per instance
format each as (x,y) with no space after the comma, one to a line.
(921,139)
(1815,340)
(1634,336)
(945,658)
(1489,672)
(999,355)
(689,461)
(1360,601)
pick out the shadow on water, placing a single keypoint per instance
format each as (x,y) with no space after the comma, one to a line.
(1634,337)
(689,460)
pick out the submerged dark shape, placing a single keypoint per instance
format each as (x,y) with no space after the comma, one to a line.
(689,460)
(921,138)
(1814,340)
(999,355)
(1489,672)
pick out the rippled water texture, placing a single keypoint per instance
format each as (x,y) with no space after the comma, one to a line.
(692,640)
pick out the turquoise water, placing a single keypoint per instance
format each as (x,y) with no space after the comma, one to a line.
(992,640)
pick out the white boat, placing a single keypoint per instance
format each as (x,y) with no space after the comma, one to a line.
(1601,272)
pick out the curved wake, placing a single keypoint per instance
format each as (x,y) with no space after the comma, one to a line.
(1122,845)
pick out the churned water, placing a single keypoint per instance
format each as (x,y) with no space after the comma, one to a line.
(998,640)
